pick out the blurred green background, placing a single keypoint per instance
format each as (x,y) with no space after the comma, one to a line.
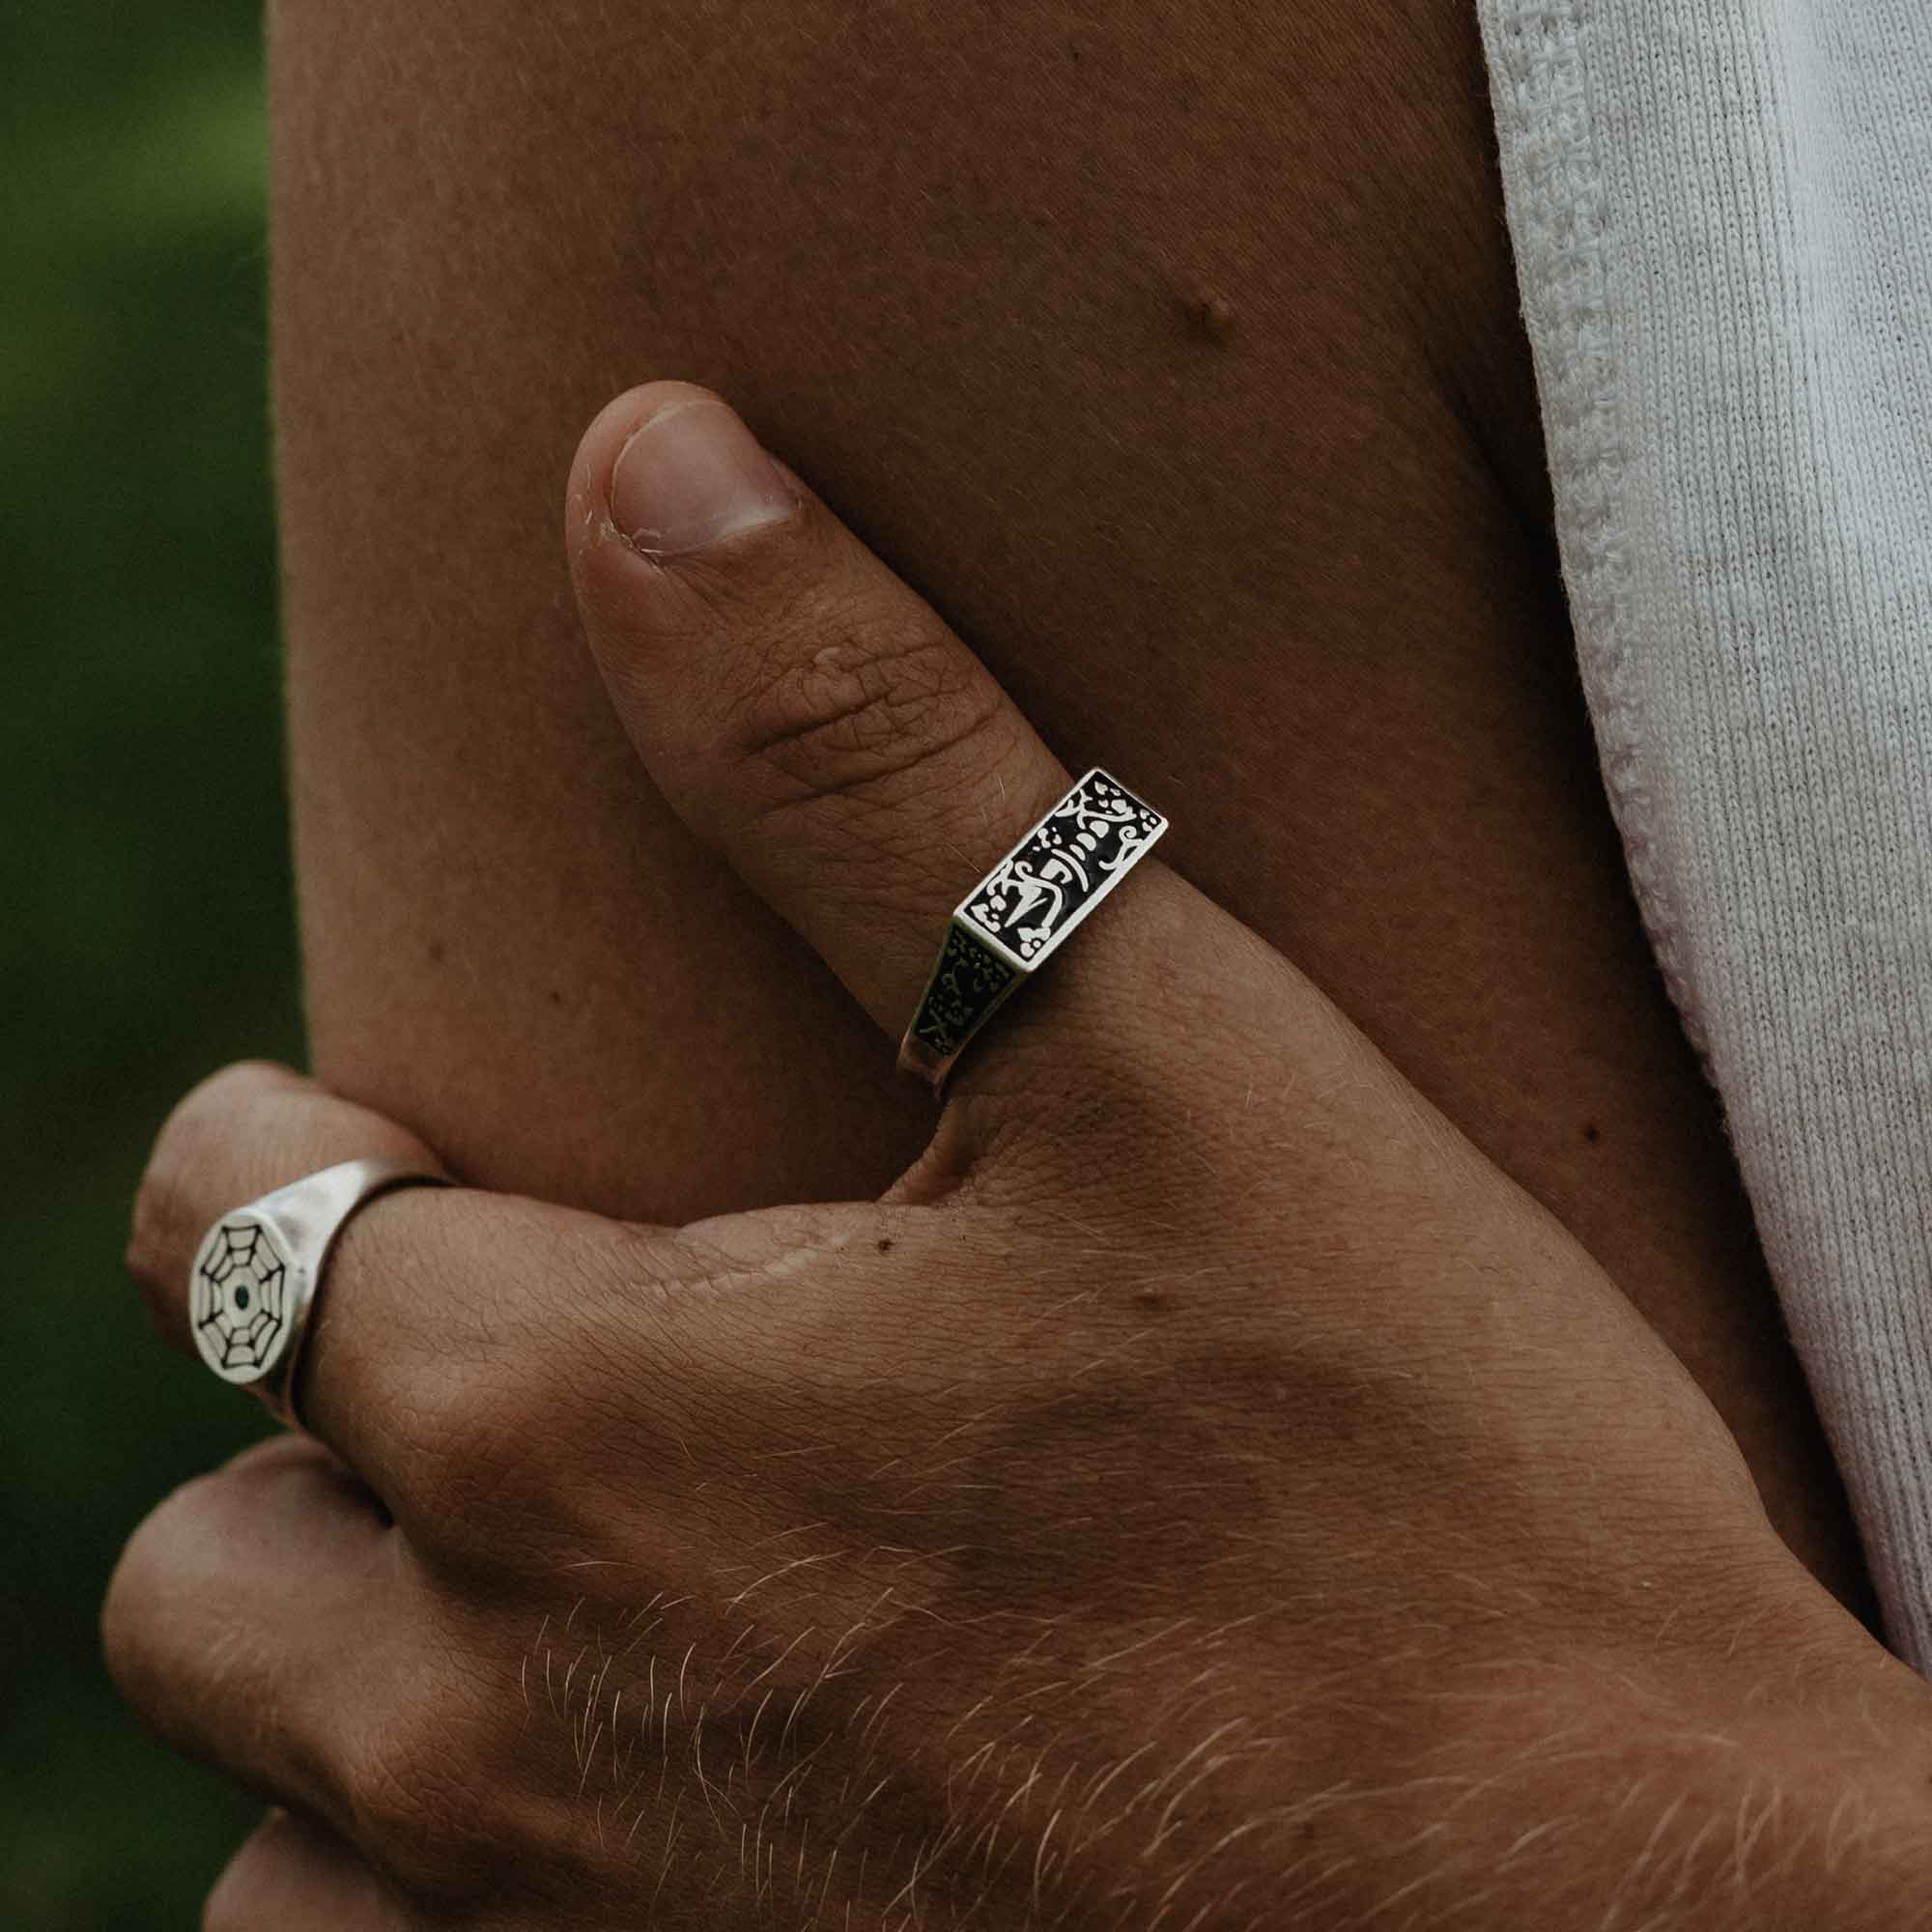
(145,922)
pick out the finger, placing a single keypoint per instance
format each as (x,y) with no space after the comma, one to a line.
(234,1137)
(441,1312)
(243,1605)
(798,704)
(295,1876)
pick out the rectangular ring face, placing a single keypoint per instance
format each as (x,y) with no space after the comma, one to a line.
(1061,870)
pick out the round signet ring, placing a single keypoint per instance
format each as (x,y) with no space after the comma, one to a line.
(256,1274)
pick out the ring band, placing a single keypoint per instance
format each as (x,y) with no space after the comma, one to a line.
(1018,915)
(257,1271)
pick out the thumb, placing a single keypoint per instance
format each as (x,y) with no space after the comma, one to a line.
(798,706)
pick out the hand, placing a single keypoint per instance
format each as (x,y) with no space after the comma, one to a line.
(1203,1495)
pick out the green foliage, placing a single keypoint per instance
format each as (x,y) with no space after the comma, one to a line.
(145,924)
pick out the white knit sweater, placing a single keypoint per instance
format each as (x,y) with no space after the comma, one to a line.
(1722,216)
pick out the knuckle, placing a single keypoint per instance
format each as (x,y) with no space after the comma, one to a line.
(894,694)
(158,1235)
(498,1484)
(122,1651)
(134,1611)
(228,1908)
(398,1797)
(167,1219)
(163,1232)
(426,1792)
(236,1903)
(124,1647)
(522,1434)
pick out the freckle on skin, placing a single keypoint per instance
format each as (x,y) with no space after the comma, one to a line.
(885,1244)
(1592,1132)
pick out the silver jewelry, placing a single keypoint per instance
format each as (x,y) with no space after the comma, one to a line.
(258,1269)
(1020,914)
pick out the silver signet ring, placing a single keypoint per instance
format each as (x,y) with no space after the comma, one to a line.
(1019,914)
(256,1272)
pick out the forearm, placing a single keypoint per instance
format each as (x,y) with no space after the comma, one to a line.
(1707,1798)
(1588,1811)
(1272,567)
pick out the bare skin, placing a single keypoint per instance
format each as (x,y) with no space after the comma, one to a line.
(1179,368)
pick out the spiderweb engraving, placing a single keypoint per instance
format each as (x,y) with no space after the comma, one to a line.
(240,1307)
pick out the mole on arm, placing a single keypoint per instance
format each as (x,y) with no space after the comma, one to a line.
(1210,313)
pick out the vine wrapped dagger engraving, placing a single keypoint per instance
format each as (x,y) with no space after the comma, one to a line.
(1020,912)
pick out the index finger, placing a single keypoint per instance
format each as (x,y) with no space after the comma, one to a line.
(434,1302)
